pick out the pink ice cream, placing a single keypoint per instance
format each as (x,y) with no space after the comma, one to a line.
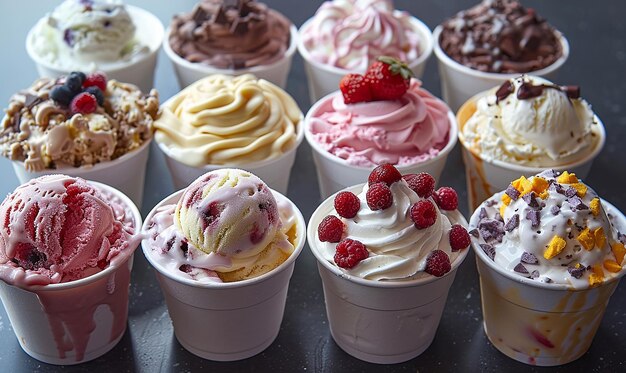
(58,229)
(410,130)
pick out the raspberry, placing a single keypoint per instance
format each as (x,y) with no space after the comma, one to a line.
(423,214)
(379,196)
(347,204)
(330,229)
(423,184)
(84,103)
(446,198)
(96,79)
(459,238)
(349,253)
(438,263)
(385,173)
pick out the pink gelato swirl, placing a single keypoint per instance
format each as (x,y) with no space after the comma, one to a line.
(351,34)
(410,130)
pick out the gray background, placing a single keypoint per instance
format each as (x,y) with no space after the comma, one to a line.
(596,34)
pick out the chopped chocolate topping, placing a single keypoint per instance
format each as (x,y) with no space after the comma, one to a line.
(528,90)
(474,233)
(570,192)
(489,250)
(547,280)
(498,217)
(31,100)
(558,188)
(491,229)
(576,272)
(534,274)
(512,223)
(529,258)
(519,268)
(531,200)
(534,217)
(512,192)
(577,203)
(572,91)
(482,214)
(555,210)
(549,174)
(504,91)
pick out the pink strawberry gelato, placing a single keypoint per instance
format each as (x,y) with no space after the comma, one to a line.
(403,132)
(58,229)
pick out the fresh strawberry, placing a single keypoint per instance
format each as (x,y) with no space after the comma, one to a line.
(388,78)
(355,89)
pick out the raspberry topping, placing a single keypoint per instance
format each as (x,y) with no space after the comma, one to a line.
(96,80)
(84,103)
(347,204)
(423,214)
(423,184)
(330,229)
(385,173)
(459,238)
(379,196)
(349,253)
(438,263)
(446,198)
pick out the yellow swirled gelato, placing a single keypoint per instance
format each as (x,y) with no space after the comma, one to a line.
(226,120)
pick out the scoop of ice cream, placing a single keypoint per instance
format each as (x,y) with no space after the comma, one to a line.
(400,237)
(226,120)
(230,34)
(351,34)
(58,229)
(46,134)
(552,228)
(227,226)
(406,131)
(500,36)
(530,121)
(85,33)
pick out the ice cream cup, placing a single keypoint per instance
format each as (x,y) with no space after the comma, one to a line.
(73,322)
(274,172)
(540,323)
(138,71)
(126,173)
(334,173)
(324,79)
(382,322)
(459,82)
(485,177)
(228,321)
(277,72)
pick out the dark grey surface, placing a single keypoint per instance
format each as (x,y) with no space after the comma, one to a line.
(597,37)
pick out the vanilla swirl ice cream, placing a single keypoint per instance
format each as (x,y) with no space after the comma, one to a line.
(226,120)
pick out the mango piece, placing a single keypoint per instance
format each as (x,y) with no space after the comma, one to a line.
(599,236)
(506,199)
(581,189)
(619,251)
(612,266)
(594,206)
(556,245)
(586,239)
(567,178)
(540,187)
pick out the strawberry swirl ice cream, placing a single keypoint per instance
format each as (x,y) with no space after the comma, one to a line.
(410,130)
(350,34)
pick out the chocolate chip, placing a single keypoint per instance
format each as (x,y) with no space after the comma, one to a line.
(576,272)
(529,258)
(185,268)
(184,247)
(504,91)
(512,192)
(534,217)
(489,250)
(512,223)
(519,268)
(534,274)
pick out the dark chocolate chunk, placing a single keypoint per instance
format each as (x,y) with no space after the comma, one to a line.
(531,200)
(534,217)
(491,229)
(519,268)
(529,258)
(489,250)
(504,91)
(570,192)
(474,233)
(482,214)
(512,192)
(576,272)
(512,223)
(555,210)
(534,274)
(577,203)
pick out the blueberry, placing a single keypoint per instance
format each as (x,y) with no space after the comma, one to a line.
(96,92)
(62,95)
(74,83)
(80,75)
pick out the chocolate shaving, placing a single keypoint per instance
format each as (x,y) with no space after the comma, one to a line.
(504,91)
(519,268)
(512,192)
(482,214)
(491,229)
(555,210)
(200,15)
(512,223)
(534,274)
(489,250)
(534,217)
(531,200)
(529,258)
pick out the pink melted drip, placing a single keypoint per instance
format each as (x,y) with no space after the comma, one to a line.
(71,312)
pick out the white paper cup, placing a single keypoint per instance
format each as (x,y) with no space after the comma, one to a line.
(274,172)
(484,177)
(227,321)
(36,311)
(334,173)
(189,72)
(126,173)
(324,79)
(459,83)
(138,70)
(383,322)
(539,323)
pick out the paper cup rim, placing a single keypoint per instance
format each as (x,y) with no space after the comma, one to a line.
(248,166)
(137,224)
(599,145)
(395,284)
(482,256)
(132,10)
(298,247)
(420,27)
(448,61)
(210,70)
(83,171)
(452,140)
